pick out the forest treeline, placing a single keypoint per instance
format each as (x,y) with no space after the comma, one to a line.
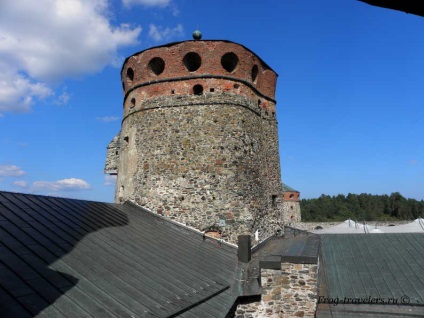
(361,207)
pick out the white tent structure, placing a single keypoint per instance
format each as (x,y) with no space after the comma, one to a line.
(352,227)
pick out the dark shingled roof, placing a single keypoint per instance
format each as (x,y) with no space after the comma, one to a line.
(362,267)
(72,258)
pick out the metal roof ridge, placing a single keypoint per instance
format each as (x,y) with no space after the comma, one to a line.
(185,226)
(50,196)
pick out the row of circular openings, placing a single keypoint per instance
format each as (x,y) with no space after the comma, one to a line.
(197,90)
(156,65)
(192,62)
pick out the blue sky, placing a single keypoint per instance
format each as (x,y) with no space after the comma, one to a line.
(349,94)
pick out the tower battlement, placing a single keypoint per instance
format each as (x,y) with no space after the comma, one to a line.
(198,142)
(197,67)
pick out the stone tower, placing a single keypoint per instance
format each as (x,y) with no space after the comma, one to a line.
(198,142)
(291,205)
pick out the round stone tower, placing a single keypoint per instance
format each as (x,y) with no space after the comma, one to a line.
(198,142)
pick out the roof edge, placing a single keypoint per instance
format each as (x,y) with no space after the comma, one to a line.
(179,224)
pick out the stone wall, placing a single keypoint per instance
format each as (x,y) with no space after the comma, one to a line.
(291,212)
(204,161)
(199,140)
(112,155)
(289,292)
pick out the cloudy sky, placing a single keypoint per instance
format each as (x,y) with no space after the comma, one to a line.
(350,97)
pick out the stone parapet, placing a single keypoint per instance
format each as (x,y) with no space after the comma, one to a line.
(287,292)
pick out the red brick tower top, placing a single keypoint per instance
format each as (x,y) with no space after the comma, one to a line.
(195,67)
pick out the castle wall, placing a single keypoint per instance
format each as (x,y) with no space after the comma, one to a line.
(112,155)
(291,212)
(199,137)
(200,160)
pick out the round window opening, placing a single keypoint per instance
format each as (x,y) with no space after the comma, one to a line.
(229,61)
(198,89)
(255,71)
(130,74)
(157,65)
(192,61)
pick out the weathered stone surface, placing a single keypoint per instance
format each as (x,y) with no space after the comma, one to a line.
(199,141)
(112,155)
(183,164)
(285,298)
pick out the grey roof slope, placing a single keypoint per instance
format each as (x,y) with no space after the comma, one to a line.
(302,248)
(72,258)
(286,188)
(383,267)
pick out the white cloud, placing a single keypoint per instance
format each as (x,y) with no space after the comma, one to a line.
(59,39)
(107,119)
(21,183)
(175,11)
(147,3)
(63,98)
(17,92)
(11,171)
(159,33)
(65,184)
(110,180)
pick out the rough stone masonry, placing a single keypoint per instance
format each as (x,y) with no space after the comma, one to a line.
(198,142)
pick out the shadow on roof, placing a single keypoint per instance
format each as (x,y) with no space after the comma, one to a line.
(36,234)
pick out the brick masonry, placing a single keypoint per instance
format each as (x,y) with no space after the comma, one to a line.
(288,292)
